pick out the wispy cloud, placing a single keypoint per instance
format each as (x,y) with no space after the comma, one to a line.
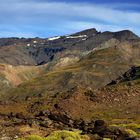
(47,18)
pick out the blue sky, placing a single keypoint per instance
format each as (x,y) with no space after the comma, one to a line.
(44,18)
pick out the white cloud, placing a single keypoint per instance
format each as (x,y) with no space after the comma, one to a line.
(67,16)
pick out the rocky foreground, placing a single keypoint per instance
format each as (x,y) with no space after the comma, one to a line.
(47,123)
(77,109)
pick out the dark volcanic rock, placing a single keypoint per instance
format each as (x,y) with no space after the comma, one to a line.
(59,118)
(132,74)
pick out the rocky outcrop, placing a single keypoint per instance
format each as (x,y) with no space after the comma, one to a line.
(132,74)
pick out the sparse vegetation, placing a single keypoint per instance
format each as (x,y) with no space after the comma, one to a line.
(59,135)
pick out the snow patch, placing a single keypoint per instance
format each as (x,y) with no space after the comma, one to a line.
(53,38)
(58,37)
(28,45)
(79,36)
(34,41)
(84,39)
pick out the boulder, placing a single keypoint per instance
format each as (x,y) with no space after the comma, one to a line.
(59,118)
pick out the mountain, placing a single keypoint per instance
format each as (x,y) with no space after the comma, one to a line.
(87,75)
(36,51)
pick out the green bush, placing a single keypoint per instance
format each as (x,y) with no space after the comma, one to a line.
(32,137)
(65,135)
(106,139)
(59,135)
(131,132)
(131,126)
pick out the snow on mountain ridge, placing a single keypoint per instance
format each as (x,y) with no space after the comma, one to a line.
(79,36)
(53,38)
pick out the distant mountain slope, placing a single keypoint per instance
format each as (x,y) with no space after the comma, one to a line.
(14,75)
(87,58)
(37,51)
(94,70)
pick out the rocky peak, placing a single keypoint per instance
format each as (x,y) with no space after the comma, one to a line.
(88,32)
(121,35)
(126,35)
